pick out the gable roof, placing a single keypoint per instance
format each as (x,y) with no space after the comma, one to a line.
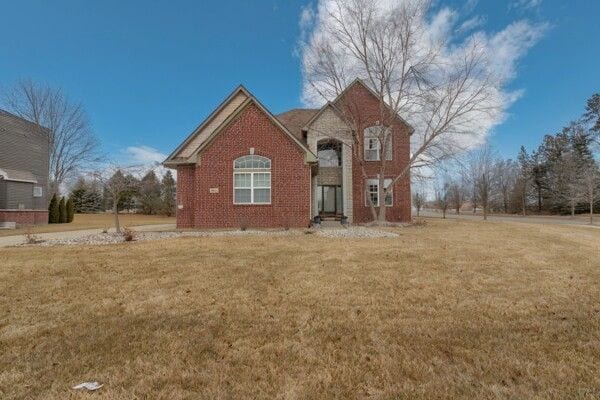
(295,120)
(328,105)
(239,99)
(7,118)
(360,82)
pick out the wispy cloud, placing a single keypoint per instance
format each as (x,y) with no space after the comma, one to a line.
(470,24)
(145,158)
(524,4)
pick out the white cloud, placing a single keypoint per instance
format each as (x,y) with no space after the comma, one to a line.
(441,24)
(471,24)
(511,44)
(146,158)
(307,16)
(453,32)
(469,6)
(524,4)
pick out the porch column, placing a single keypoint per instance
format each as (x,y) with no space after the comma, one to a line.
(347,181)
(315,204)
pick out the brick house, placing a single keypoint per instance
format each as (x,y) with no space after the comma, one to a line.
(24,161)
(243,166)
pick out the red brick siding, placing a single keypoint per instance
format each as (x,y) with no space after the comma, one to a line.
(359,98)
(185,196)
(24,217)
(290,178)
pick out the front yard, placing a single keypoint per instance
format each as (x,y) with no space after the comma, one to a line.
(92,221)
(454,309)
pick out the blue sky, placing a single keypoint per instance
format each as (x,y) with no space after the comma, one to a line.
(149,72)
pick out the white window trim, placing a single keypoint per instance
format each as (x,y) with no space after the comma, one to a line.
(252,187)
(368,136)
(368,192)
(368,148)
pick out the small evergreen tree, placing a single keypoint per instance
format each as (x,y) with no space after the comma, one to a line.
(70,210)
(62,211)
(53,210)
(169,190)
(149,194)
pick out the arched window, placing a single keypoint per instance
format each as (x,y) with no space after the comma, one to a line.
(374,136)
(329,153)
(252,180)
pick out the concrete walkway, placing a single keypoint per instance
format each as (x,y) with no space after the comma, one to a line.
(579,220)
(20,239)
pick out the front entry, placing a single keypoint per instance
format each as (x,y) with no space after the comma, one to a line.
(329,199)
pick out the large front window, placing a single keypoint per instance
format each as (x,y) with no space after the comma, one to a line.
(252,180)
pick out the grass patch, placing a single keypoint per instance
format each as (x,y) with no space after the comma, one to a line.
(452,309)
(92,221)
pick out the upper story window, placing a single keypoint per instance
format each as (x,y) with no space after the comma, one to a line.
(374,136)
(37,191)
(252,180)
(329,153)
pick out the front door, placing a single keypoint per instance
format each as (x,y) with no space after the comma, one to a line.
(330,200)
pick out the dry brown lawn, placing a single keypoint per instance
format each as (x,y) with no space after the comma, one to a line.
(93,221)
(452,310)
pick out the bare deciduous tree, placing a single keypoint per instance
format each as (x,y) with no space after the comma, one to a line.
(418,201)
(457,194)
(442,195)
(117,184)
(591,184)
(486,178)
(444,96)
(73,145)
(506,173)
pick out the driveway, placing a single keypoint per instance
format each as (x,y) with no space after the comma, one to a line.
(579,220)
(20,239)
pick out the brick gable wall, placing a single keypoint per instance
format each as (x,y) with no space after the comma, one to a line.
(290,178)
(359,98)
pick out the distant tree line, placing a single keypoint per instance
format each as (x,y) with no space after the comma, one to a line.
(148,195)
(561,176)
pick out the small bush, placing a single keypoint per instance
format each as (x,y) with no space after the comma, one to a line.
(419,222)
(287,223)
(70,210)
(128,234)
(243,224)
(62,211)
(30,238)
(53,210)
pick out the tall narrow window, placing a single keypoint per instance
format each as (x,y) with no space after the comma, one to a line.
(373,192)
(252,180)
(374,136)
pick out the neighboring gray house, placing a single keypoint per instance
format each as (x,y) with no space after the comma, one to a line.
(24,164)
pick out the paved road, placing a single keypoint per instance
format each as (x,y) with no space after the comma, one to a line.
(20,239)
(530,219)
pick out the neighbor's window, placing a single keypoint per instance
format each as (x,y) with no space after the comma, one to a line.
(372,143)
(37,191)
(373,192)
(252,180)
